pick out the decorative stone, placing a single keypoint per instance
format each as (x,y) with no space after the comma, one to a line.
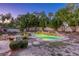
(73,28)
(68,29)
(77,29)
(61,29)
(36,43)
(29,44)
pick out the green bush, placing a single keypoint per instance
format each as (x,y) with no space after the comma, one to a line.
(24,38)
(18,44)
(23,44)
(14,45)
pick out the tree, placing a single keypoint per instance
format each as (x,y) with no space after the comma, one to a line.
(28,20)
(72,21)
(76,14)
(43,20)
(71,7)
(55,23)
(22,22)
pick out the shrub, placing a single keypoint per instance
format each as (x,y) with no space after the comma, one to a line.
(18,44)
(14,45)
(23,44)
(24,38)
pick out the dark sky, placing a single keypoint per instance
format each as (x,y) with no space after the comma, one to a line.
(22,8)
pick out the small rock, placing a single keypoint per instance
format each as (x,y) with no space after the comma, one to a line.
(66,51)
(59,54)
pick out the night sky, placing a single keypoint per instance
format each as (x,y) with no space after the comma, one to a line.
(22,8)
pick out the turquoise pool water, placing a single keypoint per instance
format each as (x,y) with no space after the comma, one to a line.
(48,37)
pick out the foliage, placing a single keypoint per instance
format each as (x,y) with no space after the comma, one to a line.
(55,23)
(43,20)
(68,14)
(14,45)
(23,44)
(18,44)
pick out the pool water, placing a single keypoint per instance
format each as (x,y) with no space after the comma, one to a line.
(48,37)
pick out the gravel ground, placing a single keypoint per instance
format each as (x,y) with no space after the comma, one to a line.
(44,50)
(4,47)
(70,50)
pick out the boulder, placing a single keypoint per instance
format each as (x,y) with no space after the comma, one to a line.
(77,29)
(60,29)
(49,29)
(36,43)
(68,29)
(73,28)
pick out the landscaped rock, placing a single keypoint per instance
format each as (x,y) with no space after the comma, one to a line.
(36,43)
(61,29)
(29,44)
(68,29)
(49,29)
(77,29)
(67,51)
(73,28)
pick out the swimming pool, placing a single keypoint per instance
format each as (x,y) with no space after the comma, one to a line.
(45,37)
